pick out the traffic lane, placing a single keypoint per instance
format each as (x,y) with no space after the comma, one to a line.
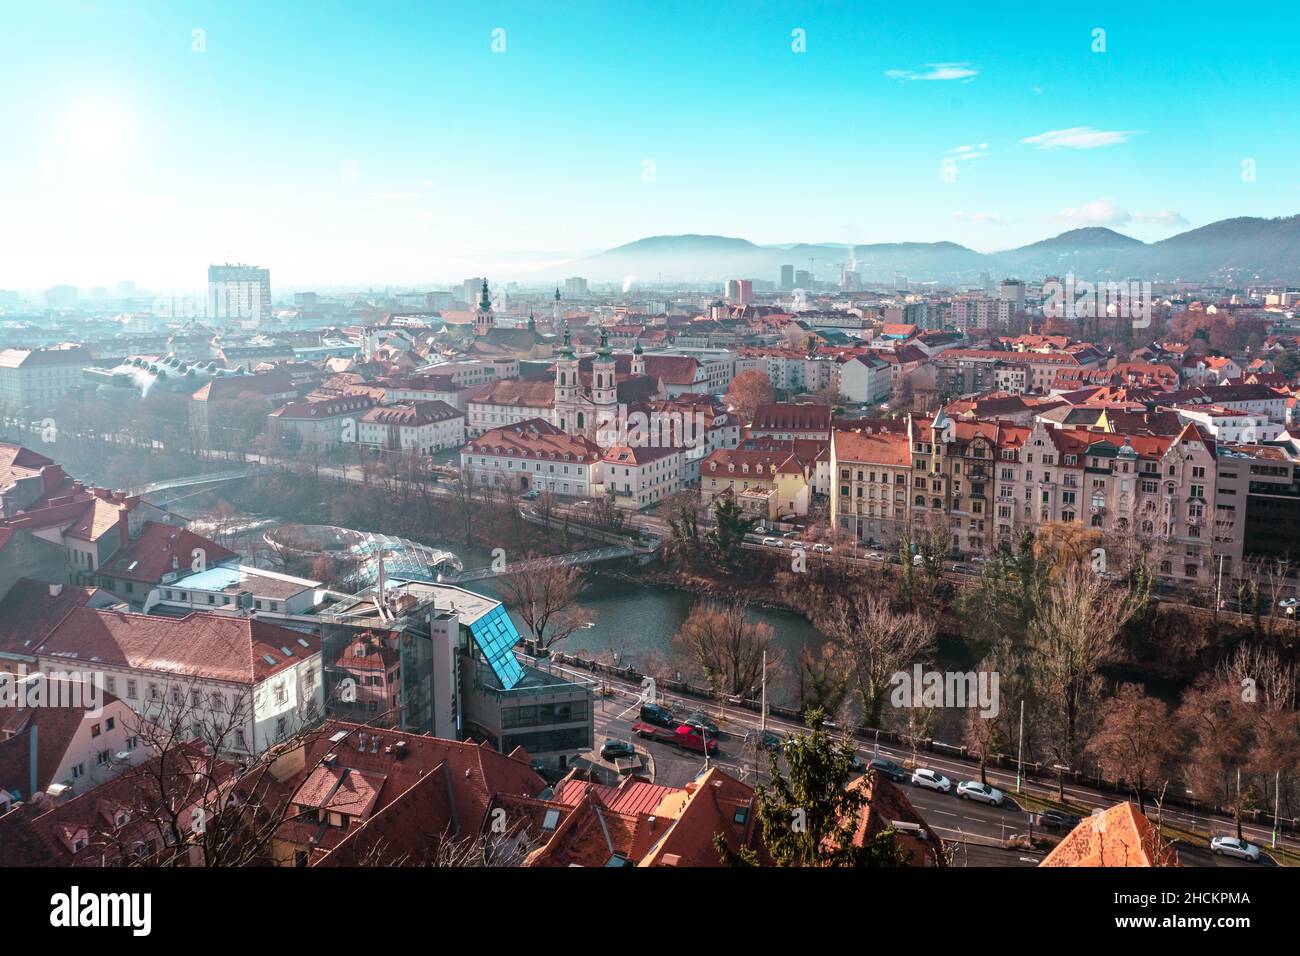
(736,723)
(953,817)
(979,855)
(1196,854)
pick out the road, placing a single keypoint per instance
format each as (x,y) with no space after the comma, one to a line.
(980,828)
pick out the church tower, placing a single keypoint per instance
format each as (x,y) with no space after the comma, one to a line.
(638,360)
(567,416)
(555,310)
(604,391)
(483,317)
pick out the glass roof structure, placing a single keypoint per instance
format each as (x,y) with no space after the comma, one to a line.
(404,559)
(496,637)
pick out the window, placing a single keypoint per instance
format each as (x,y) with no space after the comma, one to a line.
(130,690)
(110,723)
(94,730)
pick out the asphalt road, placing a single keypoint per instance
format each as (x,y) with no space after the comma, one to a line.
(981,829)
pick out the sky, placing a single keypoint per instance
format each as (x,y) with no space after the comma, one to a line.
(406,144)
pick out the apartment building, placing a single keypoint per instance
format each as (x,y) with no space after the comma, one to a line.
(871,475)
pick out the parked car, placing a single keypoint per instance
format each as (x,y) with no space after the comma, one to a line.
(974,790)
(888,769)
(822,548)
(530,495)
(770,740)
(1056,820)
(1231,846)
(1289,602)
(931,780)
(701,722)
(773,542)
(797,545)
(617,750)
(659,716)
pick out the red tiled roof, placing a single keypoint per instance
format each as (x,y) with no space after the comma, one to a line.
(161,548)
(206,646)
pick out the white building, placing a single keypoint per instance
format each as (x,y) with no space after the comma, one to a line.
(39,377)
(420,427)
(533,455)
(639,477)
(866,378)
(216,669)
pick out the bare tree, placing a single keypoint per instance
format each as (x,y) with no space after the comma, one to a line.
(545,595)
(875,642)
(1072,634)
(1134,742)
(719,641)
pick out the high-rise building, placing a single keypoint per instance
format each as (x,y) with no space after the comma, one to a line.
(575,287)
(787,278)
(238,291)
(469,290)
(1013,291)
(803,279)
(740,291)
(850,281)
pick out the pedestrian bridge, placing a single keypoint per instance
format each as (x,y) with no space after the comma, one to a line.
(590,556)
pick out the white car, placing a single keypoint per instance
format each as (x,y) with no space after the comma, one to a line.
(772,542)
(874,556)
(1231,846)
(931,780)
(974,790)
(797,544)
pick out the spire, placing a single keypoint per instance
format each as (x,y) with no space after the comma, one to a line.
(637,350)
(485,300)
(604,349)
(557,293)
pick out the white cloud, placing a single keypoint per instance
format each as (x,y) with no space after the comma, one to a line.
(936,71)
(1099,212)
(1079,137)
(970,152)
(985,217)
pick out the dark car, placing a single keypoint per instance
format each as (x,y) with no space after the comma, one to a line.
(889,770)
(770,741)
(617,750)
(659,716)
(1056,820)
(702,723)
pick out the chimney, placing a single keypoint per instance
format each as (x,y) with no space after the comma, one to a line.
(56,590)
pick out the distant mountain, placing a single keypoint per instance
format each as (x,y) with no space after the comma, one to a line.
(1245,247)
(1091,251)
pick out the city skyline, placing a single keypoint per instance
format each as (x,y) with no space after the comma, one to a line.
(430,146)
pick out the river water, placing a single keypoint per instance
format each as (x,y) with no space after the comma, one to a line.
(636,623)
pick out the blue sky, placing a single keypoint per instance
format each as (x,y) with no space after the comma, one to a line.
(388,143)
